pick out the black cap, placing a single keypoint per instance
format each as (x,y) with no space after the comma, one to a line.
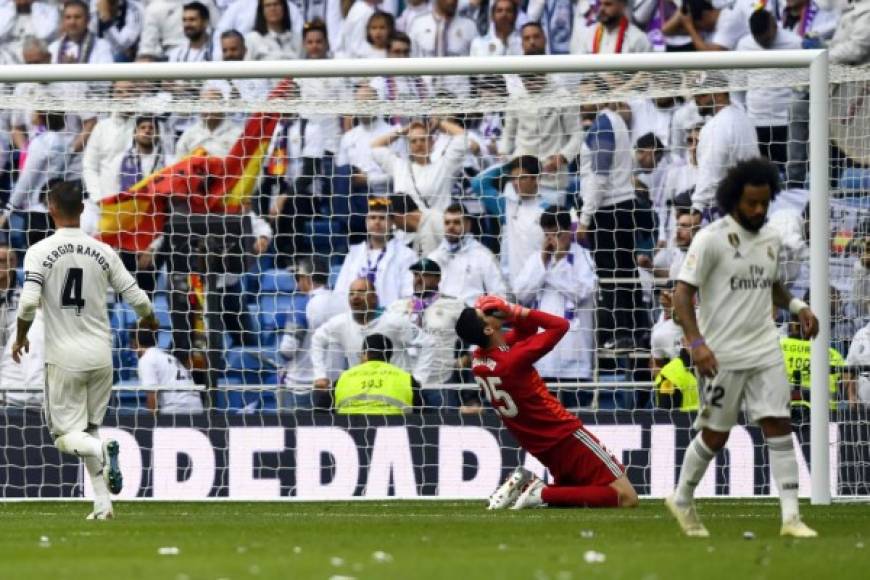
(426,266)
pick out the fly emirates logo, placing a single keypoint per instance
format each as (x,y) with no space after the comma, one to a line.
(755,281)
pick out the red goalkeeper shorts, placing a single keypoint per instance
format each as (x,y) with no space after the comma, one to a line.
(580,459)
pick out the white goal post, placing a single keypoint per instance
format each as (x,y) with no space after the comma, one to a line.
(813,62)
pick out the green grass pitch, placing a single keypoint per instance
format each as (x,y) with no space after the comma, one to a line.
(420,540)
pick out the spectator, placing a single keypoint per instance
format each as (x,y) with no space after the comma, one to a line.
(428,183)
(379,30)
(521,235)
(139,157)
(468,269)
(31,371)
(669,259)
(374,386)
(549,133)
(381,259)
(273,37)
(212,131)
(163,27)
(312,274)
(48,160)
(233,48)
(502,37)
(557,20)
(662,22)
(320,133)
(859,359)
(435,314)
(610,219)
(677,186)
(441,32)
(242,16)
(20,19)
(21,129)
(650,168)
(658,116)
(355,157)
(345,332)
(700,21)
(561,280)
(120,23)
(796,352)
(160,369)
(110,137)
(861,282)
(851,41)
(806,19)
(413,9)
(76,44)
(613,34)
(354,29)
(400,88)
(675,386)
(726,138)
(768,108)
(198,45)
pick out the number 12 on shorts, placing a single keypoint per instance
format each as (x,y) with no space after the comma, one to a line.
(500,400)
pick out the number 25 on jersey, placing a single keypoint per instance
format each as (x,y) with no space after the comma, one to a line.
(500,400)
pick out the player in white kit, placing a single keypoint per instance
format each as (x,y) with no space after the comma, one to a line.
(733,265)
(68,275)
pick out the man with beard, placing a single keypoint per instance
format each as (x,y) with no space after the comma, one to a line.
(197,46)
(726,138)
(468,268)
(613,34)
(733,264)
(77,45)
(343,335)
(436,315)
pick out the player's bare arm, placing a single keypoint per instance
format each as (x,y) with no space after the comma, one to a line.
(22,345)
(684,306)
(782,298)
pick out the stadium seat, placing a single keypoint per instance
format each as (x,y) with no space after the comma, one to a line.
(855,179)
(277,281)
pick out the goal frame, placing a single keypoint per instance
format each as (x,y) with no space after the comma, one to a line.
(816,61)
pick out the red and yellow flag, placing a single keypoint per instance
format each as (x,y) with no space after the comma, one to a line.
(131,220)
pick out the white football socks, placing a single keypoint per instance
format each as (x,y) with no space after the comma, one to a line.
(784,465)
(94,465)
(695,462)
(81,444)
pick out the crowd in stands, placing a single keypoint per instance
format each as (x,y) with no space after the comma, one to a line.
(371,225)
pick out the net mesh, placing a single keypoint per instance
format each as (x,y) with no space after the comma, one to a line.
(273,198)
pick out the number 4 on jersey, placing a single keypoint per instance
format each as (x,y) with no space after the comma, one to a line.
(500,400)
(71,296)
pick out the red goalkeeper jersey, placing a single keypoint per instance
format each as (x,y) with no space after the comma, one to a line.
(515,389)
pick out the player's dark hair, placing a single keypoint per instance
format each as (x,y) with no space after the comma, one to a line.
(755,171)
(535,24)
(232,33)
(378,347)
(66,196)
(197,7)
(388,19)
(399,36)
(260,22)
(470,328)
(760,22)
(315,266)
(80,3)
(456,207)
(556,218)
(528,164)
(144,336)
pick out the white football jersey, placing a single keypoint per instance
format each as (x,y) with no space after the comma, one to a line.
(734,270)
(160,369)
(69,273)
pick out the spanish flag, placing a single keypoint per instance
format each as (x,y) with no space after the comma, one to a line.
(132,219)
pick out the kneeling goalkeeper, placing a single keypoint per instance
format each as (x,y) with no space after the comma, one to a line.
(585,473)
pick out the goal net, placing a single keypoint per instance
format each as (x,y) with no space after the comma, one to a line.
(278,223)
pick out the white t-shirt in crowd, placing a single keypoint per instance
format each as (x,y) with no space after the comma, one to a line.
(666,340)
(734,270)
(768,107)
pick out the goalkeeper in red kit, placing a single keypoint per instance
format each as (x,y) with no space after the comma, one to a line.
(585,474)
